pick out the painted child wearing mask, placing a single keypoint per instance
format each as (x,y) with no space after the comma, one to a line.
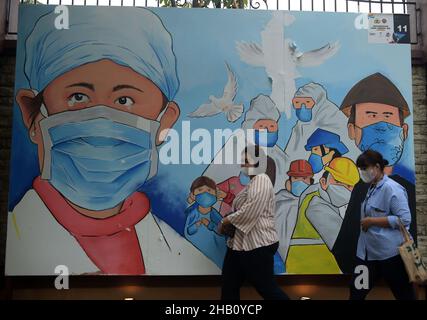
(202,220)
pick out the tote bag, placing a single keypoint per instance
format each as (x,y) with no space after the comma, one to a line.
(415,267)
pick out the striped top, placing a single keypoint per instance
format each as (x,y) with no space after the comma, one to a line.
(253,215)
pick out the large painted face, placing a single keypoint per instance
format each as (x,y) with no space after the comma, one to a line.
(378,127)
(371,113)
(104,83)
(99,83)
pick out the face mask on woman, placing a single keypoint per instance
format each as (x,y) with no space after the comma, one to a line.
(367,175)
(244,177)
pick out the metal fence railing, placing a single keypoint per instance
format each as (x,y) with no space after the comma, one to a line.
(362,6)
(373,6)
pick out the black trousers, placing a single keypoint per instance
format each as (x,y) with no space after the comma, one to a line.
(255,266)
(394,273)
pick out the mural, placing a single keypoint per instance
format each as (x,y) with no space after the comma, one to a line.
(115,168)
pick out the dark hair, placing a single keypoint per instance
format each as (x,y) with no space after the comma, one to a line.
(371,158)
(352,116)
(270,170)
(202,181)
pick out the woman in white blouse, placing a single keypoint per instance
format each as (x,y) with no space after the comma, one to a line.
(250,253)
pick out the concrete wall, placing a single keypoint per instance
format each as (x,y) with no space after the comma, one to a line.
(418,21)
(419,86)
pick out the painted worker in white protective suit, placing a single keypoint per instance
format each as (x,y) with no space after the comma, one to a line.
(300,178)
(314,111)
(96,107)
(261,127)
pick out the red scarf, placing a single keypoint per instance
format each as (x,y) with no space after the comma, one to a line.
(111,243)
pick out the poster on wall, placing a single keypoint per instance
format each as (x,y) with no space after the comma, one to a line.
(123,118)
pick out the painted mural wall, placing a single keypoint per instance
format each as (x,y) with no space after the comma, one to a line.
(116,166)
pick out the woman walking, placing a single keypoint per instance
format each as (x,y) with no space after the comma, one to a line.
(383,211)
(250,253)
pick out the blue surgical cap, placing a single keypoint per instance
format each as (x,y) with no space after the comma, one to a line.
(132,37)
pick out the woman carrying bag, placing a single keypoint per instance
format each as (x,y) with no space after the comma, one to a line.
(383,211)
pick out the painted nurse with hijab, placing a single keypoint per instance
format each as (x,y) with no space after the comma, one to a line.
(99,102)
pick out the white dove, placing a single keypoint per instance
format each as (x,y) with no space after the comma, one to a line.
(224,104)
(280,57)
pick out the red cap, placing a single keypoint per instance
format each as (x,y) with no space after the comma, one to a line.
(300,168)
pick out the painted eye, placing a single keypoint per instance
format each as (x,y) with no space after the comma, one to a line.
(125,101)
(77,98)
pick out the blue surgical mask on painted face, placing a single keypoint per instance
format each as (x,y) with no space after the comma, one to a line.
(271,138)
(304,114)
(384,138)
(97,163)
(205,199)
(298,187)
(316,162)
(244,178)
